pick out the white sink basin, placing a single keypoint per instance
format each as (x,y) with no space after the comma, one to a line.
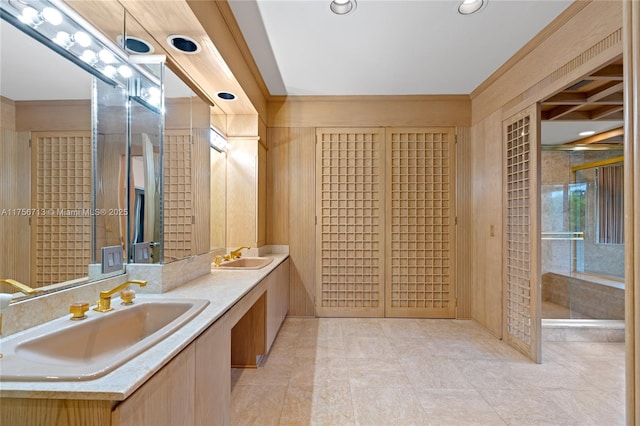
(247,263)
(87,349)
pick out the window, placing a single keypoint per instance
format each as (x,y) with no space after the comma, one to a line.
(610,204)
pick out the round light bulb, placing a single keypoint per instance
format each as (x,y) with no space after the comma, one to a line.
(587,133)
(106,56)
(125,71)
(109,71)
(63,39)
(52,16)
(82,38)
(467,7)
(89,56)
(30,16)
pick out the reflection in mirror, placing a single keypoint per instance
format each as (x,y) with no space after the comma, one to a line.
(45,198)
(145,184)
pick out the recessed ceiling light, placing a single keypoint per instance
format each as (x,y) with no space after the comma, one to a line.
(343,7)
(587,133)
(467,7)
(183,43)
(135,45)
(226,96)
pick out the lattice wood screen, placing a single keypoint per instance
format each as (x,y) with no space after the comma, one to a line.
(521,257)
(421,223)
(350,213)
(178,205)
(61,193)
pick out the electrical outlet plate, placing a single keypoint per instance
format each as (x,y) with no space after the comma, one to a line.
(111,259)
(142,253)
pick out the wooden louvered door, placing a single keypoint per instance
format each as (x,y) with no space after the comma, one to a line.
(420,279)
(522,316)
(61,185)
(350,169)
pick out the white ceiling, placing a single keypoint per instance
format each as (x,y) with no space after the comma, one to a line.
(386,47)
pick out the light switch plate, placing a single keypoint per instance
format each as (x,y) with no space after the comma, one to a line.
(111,259)
(142,253)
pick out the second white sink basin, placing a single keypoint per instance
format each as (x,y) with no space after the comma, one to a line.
(247,263)
(82,350)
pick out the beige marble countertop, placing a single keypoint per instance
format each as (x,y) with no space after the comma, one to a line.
(223,288)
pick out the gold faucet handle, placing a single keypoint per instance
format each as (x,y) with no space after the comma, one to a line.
(127,296)
(78,310)
(217,261)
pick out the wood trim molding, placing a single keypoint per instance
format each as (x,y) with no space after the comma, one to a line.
(243,47)
(560,73)
(557,23)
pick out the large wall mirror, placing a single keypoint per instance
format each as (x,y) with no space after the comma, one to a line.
(49,181)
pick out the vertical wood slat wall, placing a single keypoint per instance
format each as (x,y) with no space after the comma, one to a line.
(521,245)
(177,196)
(61,189)
(350,212)
(464,215)
(15,191)
(420,226)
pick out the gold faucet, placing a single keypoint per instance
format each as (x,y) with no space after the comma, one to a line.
(217,261)
(104,304)
(22,287)
(234,254)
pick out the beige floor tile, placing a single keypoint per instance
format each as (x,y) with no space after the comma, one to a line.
(257,405)
(321,372)
(457,407)
(376,372)
(490,375)
(368,347)
(361,327)
(271,372)
(589,407)
(434,373)
(527,407)
(318,405)
(322,328)
(402,328)
(321,348)
(387,406)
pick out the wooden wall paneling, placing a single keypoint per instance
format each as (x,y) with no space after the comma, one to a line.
(44,116)
(521,247)
(631,19)
(464,220)
(7,114)
(178,195)
(420,223)
(486,240)
(365,111)
(278,186)
(15,193)
(261,197)
(302,219)
(61,237)
(218,207)
(242,191)
(201,191)
(351,216)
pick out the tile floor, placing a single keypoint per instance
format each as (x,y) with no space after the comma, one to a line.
(424,372)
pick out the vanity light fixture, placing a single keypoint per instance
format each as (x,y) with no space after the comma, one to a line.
(59,27)
(343,7)
(183,44)
(467,7)
(587,133)
(217,141)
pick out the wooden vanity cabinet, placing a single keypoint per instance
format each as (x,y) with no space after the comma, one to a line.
(194,388)
(277,300)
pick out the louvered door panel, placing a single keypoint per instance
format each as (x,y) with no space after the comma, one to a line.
(522,328)
(178,204)
(350,212)
(61,194)
(421,223)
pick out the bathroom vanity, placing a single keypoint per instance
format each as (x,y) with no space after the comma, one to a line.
(184,379)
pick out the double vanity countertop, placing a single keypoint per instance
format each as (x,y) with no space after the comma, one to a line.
(222,288)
